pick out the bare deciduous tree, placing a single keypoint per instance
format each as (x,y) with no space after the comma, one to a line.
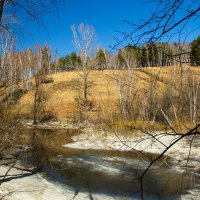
(84,40)
(15,67)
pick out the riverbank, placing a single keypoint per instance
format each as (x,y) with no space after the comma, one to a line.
(185,153)
(53,125)
(20,185)
(27,186)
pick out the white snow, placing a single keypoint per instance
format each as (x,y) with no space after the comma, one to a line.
(108,141)
(35,187)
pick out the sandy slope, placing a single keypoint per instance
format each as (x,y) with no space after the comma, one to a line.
(61,96)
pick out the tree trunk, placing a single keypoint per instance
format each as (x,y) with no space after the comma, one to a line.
(2,2)
(85,93)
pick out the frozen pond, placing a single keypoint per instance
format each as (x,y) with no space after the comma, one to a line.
(108,172)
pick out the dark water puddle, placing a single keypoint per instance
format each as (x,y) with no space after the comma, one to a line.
(108,172)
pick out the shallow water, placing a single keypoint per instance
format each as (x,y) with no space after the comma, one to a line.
(110,172)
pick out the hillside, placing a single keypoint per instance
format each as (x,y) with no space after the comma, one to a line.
(106,90)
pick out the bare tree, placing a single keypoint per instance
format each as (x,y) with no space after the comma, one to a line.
(84,38)
(12,11)
(37,77)
(16,67)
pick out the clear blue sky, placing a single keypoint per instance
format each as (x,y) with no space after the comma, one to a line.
(105,15)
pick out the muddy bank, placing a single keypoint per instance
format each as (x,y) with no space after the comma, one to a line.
(53,125)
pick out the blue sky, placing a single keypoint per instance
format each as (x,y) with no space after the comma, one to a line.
(105,15)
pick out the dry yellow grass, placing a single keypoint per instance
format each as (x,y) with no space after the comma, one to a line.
(61,95)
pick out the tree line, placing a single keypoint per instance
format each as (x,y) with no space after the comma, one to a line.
(147,55)
(20,65)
